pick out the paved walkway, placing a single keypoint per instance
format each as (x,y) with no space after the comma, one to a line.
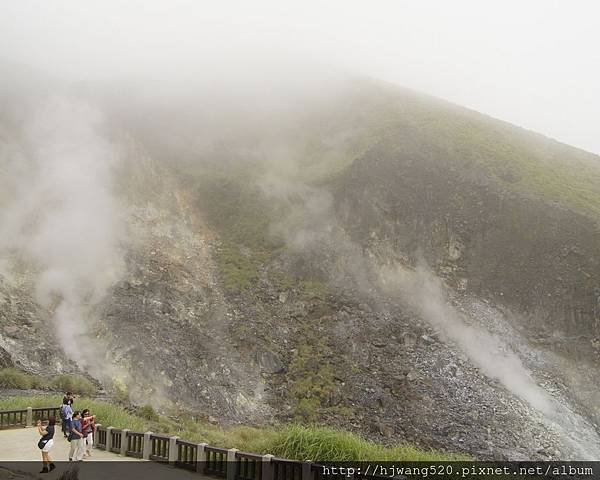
(20,454)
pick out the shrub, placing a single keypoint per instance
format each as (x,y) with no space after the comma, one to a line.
(13,378)
(119,391)
(147,412)
(74,383)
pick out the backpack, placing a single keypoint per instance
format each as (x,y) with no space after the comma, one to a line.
(62,413)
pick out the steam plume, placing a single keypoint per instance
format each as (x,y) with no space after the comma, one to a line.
(62,217)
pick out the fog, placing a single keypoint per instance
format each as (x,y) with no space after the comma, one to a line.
(535,63)
(62,218)
(312,228)
(194,82)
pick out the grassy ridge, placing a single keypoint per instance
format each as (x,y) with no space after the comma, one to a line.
(292,441)
(13,378)
(516,159)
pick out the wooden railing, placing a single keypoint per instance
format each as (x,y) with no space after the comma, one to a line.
(100,440)
(15,418)
(115,440)
(200,457)
(135,445)
(248,466)
(46,413)
(187,454)
(215,461)
(287,469)
(160,448)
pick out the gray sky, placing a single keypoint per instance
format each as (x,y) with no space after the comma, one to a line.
(535,63)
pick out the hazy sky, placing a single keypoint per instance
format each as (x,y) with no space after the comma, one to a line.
(533,63)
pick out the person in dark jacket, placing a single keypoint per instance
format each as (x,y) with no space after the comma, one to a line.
(46,430)
(69,398)
(76,438)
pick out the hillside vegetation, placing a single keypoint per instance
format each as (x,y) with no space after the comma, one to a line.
(254,237)
(293,442)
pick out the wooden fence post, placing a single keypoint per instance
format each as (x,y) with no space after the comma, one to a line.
(109,438)
(267,467)
(147,450)
(124,441)
(306,470)
(172,450)
(29,420)
(201,457)
(231,463)
(97,435)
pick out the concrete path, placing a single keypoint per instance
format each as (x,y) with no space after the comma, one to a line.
(20,455)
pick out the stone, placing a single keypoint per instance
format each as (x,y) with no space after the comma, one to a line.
(11,330)
(455,249)
(385,430)
(409,339)
(212,420)
(365,307)
(5,359)
(270,362)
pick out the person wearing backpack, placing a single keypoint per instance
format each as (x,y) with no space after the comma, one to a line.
(66,416)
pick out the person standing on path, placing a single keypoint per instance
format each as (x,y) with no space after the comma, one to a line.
(88,427)
(69,398)
(66,415)
(46,442)
(76,438)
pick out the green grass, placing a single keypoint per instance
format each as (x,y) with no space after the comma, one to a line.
(314,290)
(13,378)
(328,444)
(73,383)
(241,214)
(239,270)
(516,159)
(290,441)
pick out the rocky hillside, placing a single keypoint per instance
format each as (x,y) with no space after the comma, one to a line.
(372,259)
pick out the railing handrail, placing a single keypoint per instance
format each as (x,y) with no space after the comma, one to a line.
(255,456)
(200,449)
(286,460)
(216,449)
(185,442)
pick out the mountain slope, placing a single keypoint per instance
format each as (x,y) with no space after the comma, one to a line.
(358,255)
